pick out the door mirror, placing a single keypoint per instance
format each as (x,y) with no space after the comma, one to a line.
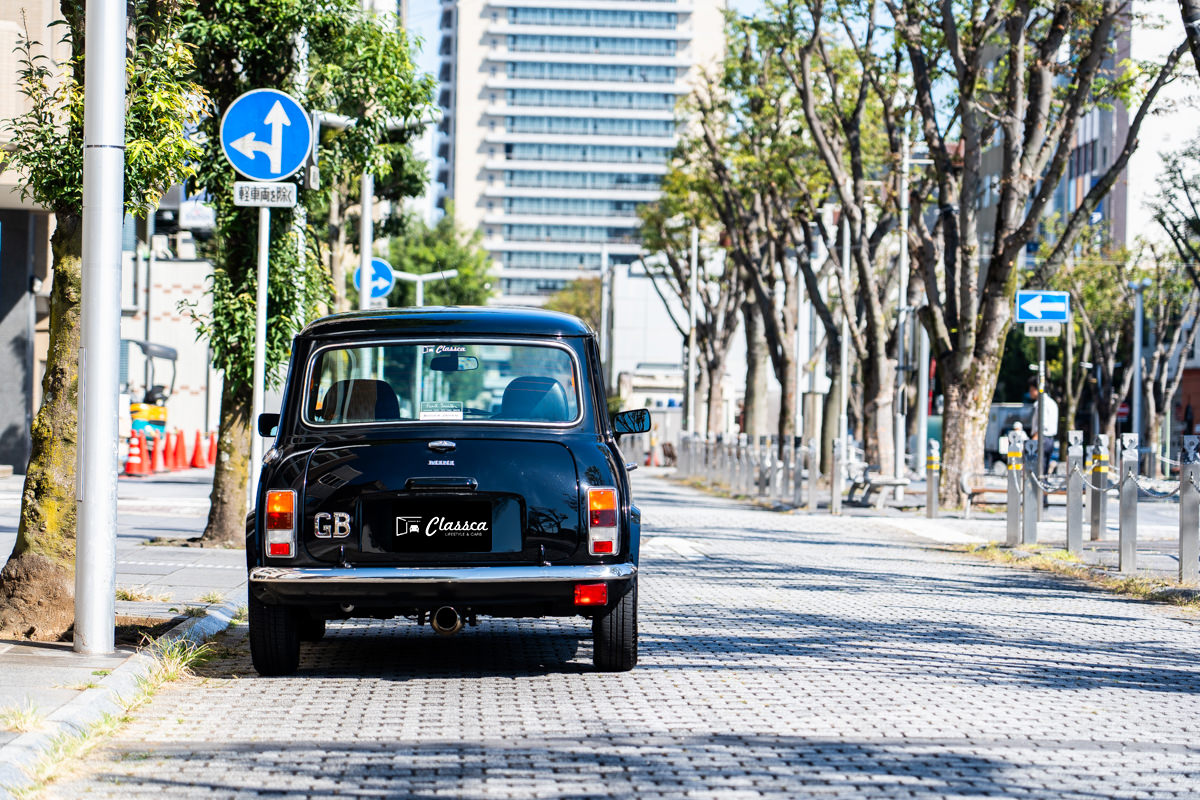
(636,421)
(268,424)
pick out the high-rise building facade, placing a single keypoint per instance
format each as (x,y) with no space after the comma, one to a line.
(558,118)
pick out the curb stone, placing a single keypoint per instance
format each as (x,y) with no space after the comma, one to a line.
(74,717)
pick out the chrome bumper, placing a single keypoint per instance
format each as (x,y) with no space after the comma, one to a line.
(471,576)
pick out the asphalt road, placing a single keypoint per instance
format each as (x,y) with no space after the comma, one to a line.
(781,656)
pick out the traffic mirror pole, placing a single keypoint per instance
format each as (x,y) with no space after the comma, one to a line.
(99,352)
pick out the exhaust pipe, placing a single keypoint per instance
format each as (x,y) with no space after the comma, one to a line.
(346,607)
(446,621)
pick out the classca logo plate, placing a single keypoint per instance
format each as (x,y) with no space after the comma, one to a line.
(438,526)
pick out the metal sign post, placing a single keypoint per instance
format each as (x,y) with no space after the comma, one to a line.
(99,353)
(286,143)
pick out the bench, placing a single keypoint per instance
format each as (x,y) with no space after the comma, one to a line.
(868,481)
(973,487)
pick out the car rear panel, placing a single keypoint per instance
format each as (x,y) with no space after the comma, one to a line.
(399,502)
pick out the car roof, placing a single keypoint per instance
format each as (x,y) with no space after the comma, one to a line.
(508,320)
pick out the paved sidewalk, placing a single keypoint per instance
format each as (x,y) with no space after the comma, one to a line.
(173,582)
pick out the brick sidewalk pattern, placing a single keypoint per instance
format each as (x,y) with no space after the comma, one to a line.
(781,656)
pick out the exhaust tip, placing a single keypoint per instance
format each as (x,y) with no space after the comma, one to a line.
(347,607)
(446,621)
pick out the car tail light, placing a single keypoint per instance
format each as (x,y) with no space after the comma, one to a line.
(602,521)
(281,523)
(591,594)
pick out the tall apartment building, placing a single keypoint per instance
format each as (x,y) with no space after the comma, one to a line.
(558,117)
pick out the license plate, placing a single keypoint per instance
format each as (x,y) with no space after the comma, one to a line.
(437,526)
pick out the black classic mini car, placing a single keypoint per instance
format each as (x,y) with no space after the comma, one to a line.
(443,464)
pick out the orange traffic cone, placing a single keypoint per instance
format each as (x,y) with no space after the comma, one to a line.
(181,461)
(147,467)
(198,459)
(169,451)
(133,462)
(212,448)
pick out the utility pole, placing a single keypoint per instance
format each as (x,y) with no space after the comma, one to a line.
(844,354)
(901,310)
(99,351)
(693,300)
(1138,287)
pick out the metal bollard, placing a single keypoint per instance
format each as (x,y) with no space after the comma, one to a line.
(1031,498)
(814,472)
(1013,508)
(1074,492)
(1127,514)
(835,479)
(1098,497)
(1189,510)
(798,472)
(761,478)
(933,478)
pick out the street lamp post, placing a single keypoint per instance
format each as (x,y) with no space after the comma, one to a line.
(419,279)
(99,353)
(1138,287)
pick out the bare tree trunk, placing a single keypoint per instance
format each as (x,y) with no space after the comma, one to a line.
(786,426)
(337,250)
(829,421)
(879,373)
(227,511)
(1154,417)
(37,586)
(715,371)
(967,401)
(756,372)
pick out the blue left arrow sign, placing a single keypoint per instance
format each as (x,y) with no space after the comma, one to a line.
(266,135)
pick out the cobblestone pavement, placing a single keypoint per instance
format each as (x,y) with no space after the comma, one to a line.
(781,656)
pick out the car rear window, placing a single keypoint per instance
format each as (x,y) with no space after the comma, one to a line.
(443,381)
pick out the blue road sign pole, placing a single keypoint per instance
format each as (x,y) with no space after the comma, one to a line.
(260,350)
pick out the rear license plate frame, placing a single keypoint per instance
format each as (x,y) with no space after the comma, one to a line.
(442,525)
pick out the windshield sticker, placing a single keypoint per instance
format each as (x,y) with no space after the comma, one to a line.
(444,348)
(442,411)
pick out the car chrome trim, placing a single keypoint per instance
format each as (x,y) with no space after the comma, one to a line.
(451,575)
(478,339)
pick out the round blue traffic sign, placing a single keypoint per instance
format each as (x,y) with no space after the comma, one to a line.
(382,278)
(266,135)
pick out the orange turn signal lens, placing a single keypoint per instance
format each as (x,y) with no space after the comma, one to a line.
(281,506)
(602,508)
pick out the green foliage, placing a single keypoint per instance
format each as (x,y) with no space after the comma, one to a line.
(422,249)
(579,297)
(355,67)
(160,106)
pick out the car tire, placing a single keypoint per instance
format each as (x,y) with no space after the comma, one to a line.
(615,635)
(311,629)
(274,639)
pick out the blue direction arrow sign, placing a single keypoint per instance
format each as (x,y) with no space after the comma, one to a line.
(382,278)
(266,135)
(1037,306)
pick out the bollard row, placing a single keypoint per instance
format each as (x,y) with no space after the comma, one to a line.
(1088,482)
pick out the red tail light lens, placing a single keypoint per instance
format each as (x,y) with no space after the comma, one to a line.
(281,506)
(602,508)
(281,523)
(591,594)
(602,521)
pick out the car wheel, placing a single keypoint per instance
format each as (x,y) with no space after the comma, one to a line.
(615,635)
(274,639)
(311,629)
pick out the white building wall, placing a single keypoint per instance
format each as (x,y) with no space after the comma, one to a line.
(558,121)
